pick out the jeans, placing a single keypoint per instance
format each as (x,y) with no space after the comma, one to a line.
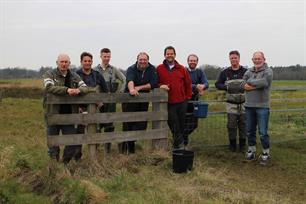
(257,117)
(70,150)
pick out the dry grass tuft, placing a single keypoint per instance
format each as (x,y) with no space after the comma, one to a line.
(95,193)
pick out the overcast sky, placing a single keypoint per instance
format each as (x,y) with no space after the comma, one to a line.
(33,33)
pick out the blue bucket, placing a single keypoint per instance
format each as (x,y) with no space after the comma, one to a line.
(200,109)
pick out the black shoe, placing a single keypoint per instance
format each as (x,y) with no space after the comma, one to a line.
(107,147)
(66,160)
(123,147)
(54,157)
(131,147)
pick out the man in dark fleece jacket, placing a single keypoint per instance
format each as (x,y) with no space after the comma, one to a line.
(141,77)
(175,79)
(234,108)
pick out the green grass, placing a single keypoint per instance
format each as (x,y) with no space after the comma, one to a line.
(28,176)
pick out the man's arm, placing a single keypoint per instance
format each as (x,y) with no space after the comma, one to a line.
(203,79)
(132,89)
(50,87)
(220,83)
(244,84)
(119,75)
(262,82)
(102,83)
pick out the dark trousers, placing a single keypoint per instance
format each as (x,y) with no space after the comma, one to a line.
(108,108)
(129,147)
(235,121)
(176,122)
(70,151)
(191,122)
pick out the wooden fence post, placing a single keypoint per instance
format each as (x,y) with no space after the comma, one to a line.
(92,128)
(160,106)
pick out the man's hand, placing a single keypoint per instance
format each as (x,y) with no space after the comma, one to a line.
(248,87)
(100,104)
(165,87)
(73,92)
(137,88)
(200,87)
(134,92)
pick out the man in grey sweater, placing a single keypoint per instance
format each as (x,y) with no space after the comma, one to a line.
(257,85)
(111,75)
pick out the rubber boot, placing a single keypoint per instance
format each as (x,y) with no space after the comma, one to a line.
(242,145)
(232,145)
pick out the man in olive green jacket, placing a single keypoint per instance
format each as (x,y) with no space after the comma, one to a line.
(62,81)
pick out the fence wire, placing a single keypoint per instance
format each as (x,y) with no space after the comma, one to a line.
(287,120)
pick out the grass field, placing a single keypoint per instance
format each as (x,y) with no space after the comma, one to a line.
(28,176)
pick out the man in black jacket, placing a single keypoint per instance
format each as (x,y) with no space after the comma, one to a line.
(230,80)
(92,78)
(140,77)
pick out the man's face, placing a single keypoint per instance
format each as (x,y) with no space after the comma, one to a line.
(63,63)
(192,62)
(258,60)
(86,63)
(142,61)
(235,60)
(170,56)
(105,57)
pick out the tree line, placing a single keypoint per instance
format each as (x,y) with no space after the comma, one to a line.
(293,72)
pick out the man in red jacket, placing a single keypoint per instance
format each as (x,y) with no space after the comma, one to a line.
(175,79)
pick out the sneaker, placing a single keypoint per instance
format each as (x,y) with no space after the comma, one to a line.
(264,158)
(250,156)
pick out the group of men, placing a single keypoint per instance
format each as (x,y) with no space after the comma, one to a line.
(183,84)
(248,102)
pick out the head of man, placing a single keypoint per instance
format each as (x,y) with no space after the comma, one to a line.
(86,61)
(192,61)
(169,54)
(258,59)
(105,55)
(63,63)
(234,57)
(142,60)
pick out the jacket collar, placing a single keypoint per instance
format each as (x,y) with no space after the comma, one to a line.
(60,73)
(264,66)
(175,64)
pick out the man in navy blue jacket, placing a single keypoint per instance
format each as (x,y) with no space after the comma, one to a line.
(199,84)
(140,77)
(92,78)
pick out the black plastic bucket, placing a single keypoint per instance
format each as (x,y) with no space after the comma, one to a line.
(182,160)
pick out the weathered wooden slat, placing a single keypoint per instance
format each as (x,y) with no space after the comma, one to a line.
(65,119)
(100,138)
(92,129)
(160,143)
(155,96)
